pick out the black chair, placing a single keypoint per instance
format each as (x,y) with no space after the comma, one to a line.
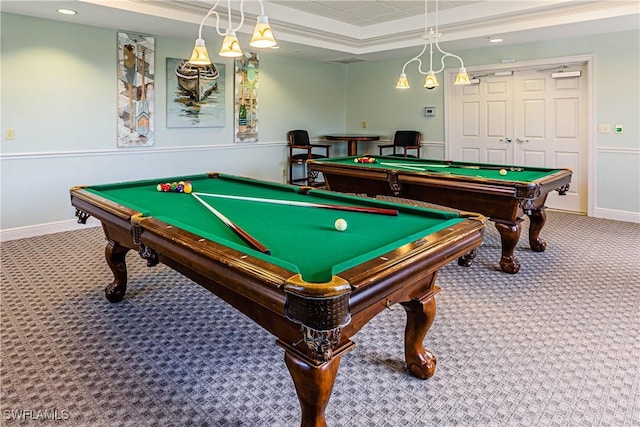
(301,150)
(403,141)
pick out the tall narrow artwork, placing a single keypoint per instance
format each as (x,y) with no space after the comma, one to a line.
(246,98)
(195,94)
(136,79)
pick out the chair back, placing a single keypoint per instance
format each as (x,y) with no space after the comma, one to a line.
(299,137)
(405,138)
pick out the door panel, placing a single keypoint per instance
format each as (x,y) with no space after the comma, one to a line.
(550,125)
(485,123)
(527,118)
(535,158)
(471,155)
(534,118)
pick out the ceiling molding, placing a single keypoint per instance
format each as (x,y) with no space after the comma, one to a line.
(464,24)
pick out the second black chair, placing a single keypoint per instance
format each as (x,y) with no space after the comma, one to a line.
(300,150)
(403,141)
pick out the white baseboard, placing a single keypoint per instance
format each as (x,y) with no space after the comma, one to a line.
(616,215)
(42,229)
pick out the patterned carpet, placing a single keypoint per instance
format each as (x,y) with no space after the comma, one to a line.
(557,344)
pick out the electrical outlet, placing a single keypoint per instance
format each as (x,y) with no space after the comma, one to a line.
(10,134)
(618,128)
(604,128)
(364,125)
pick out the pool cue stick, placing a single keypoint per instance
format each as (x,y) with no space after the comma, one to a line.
(491,168)
(421,169)
(235,228)
(479,167)
(426,168)
(378,211)
(414,165)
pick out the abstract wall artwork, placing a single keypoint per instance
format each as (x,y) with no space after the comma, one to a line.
(195,94)
(136,78)
(246,98)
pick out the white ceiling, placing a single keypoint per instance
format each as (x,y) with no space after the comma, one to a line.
(350,30)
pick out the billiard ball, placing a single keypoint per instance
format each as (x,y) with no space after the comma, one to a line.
(340,224)
(503,171)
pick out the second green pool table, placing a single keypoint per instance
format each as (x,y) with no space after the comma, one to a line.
(503,197)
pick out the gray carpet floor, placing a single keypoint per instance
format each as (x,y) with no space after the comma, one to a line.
(557,344)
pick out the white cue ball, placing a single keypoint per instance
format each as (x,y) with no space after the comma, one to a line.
(340,224)
(503,171)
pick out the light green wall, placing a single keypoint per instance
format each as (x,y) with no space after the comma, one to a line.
(372,97)
(63,111)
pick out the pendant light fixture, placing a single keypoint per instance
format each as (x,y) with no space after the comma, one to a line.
(430,39)
(262,35)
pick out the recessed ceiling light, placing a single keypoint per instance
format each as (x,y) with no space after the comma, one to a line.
(67,11)
(495,40)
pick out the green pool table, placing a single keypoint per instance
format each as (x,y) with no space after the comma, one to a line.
(476,187)
(315,288)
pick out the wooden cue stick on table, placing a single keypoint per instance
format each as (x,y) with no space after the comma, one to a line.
(484,167)
(379,211)
(413,165)
(234,227)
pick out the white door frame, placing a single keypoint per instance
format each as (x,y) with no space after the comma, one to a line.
(449,106)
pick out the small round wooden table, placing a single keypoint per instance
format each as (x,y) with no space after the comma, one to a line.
(352,139)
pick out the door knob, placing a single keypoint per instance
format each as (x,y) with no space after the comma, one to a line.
(507,140)
(521,141)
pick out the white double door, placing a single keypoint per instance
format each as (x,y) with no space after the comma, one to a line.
(526,118)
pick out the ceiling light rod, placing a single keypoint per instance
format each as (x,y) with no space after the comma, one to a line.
(430,38)
(262,35)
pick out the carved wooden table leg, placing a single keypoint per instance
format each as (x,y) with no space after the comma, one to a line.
(115,255)
(420,316)
(537,219)
(313,385)
(509,235)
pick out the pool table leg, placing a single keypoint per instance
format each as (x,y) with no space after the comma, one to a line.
(509,235)
(420,315)
(115,255)
(313,386)
(537,219)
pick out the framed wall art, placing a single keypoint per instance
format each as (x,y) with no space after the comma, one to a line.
(246,98)
(195,94)
(136,79)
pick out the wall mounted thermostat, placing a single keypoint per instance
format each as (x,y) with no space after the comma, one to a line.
(429,111)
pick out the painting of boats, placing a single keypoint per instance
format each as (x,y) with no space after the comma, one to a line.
(197,81)
(195,95)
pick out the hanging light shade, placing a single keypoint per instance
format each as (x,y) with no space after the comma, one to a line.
(403,82)
(430,40)
(200,56)
(462,78)
(262,35)
(230,45)
(431,81)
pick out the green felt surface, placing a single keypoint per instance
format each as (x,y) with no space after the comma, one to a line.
(300,239)
(448,168)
